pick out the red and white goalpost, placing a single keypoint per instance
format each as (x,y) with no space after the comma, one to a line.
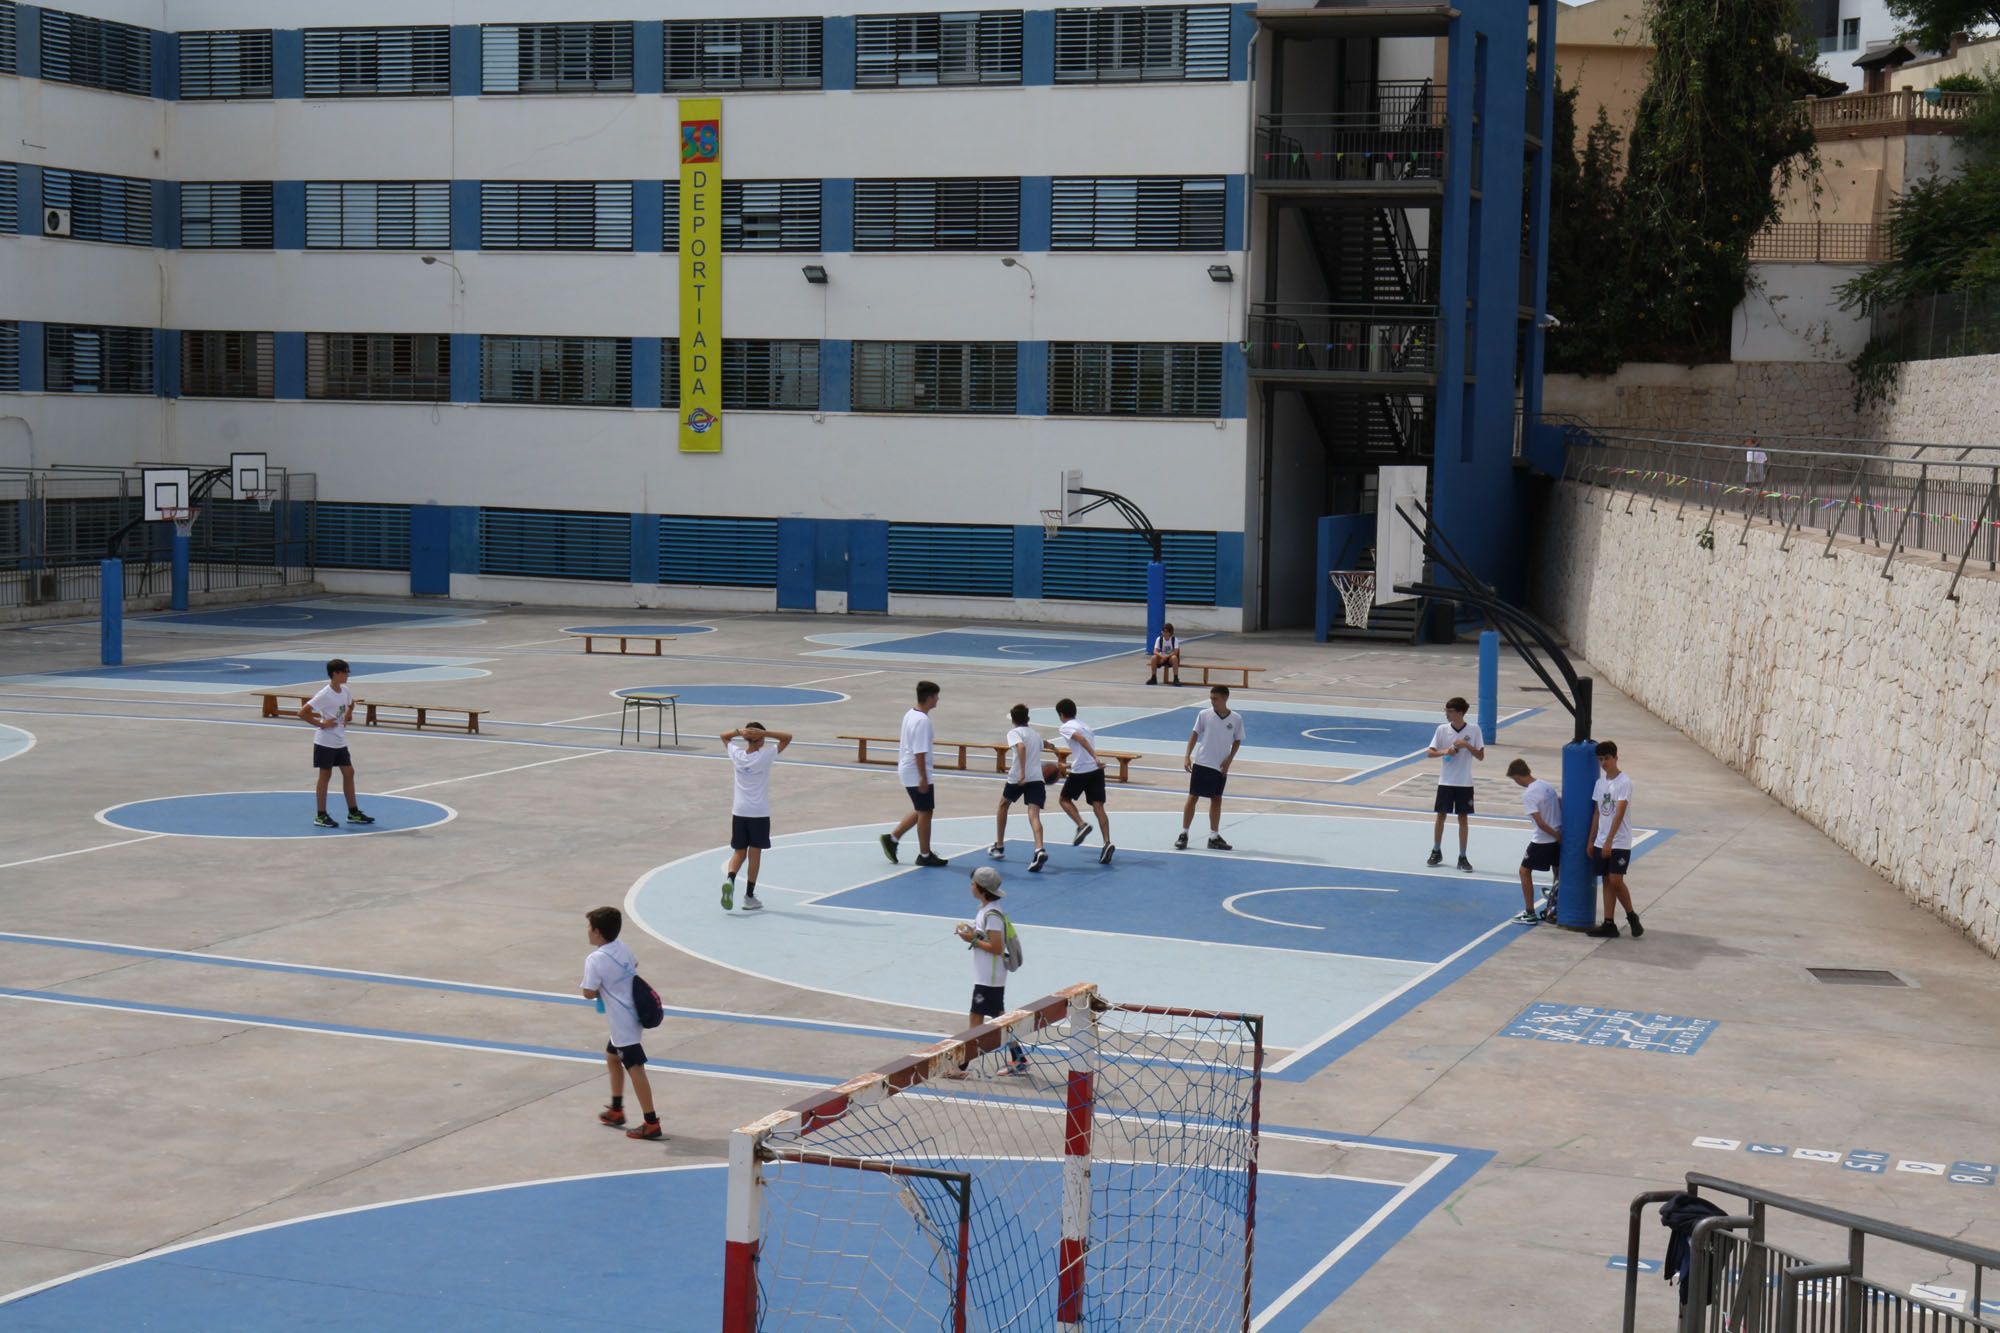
(1112,1185)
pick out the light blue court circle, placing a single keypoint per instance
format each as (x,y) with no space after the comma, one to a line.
(15,742)
(737,696)
(676,630)
(270,814)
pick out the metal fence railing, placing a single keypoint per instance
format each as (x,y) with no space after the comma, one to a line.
(1398,134)
(1342,338)
(58,524)
(1821,243)
(1927,328)
(1918,499)
(1739,1280)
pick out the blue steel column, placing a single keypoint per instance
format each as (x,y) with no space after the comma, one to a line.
(111,612)
(182,543)
(1576,904)
(1489,684)
(1156,601)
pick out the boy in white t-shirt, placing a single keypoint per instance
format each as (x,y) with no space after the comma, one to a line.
(607,979)
(1544,805)
(1086,778)
(986,936)
(1166,653)
(1457,742)
(752,751)
(328,711)
(916,766)
(1211,748)
(1611,841)
(1027,782)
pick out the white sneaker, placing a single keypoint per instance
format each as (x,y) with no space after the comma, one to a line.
(998,851)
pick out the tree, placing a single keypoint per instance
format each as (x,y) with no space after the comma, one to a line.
(1931,23)
(1717,134)
(1586,293)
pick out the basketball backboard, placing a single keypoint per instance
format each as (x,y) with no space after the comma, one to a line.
(1067,498)
(1399,554)
(247,473)
(164,488)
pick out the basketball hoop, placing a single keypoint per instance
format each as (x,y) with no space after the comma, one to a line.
(1357,594)
(182,519)
(1052,524)
(263,497)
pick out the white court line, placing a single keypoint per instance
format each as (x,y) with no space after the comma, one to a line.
(102,846)
(528,643)
(823,679)
(1229,903)
(1334,1256)
(495,772)
(1404,783)
(581,717)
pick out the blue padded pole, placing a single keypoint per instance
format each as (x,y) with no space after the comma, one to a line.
(1576,904)
(1489,683)
(182,542)
(111,612)
(1156,601)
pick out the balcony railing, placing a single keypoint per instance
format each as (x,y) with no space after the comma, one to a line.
(1399,135)
(1904,111)
(1369,340)
(1821,243)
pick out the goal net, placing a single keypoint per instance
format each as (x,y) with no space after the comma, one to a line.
(1110,1184)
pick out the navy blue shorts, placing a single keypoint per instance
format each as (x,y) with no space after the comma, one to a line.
(332,756)
(923,802)
(1542,856)
(749,831)
(1613,862)
(630,1056)
(989,1001)
(1027,793)
(1453,801)
(1204,781)
(1089,785)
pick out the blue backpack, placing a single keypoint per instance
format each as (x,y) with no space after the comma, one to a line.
(646,1003)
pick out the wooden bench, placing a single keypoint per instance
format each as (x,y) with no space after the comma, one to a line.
(1242,672)
(998,749)
(271,697)
(589,641)
(421,715)
(1107,758)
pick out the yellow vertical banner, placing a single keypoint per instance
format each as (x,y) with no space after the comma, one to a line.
(701,276)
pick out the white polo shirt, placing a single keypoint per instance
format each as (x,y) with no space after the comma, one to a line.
(609,971)
(1031,741)
(753,778)
(988,969)
(1457,766)
(1215,736)
(916,739)
(1080,759)
(333,703)
(1540,798)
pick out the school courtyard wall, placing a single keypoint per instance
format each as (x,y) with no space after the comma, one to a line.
(1865,704)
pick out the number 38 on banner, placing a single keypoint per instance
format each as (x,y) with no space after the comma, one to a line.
(701,140)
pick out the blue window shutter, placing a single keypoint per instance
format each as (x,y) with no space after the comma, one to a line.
(361,536)
(735,552)
(951,559)
(1103,565)
(543,544)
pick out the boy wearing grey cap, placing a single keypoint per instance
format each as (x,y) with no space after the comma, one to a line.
(986,936)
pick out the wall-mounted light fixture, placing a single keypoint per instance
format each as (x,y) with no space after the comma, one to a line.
(815,274)
(1221,273)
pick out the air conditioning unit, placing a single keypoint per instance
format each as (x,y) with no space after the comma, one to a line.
(55,222)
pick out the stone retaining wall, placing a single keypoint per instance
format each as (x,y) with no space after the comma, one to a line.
(1864,704)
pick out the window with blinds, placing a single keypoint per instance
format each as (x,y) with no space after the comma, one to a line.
(958,214)
(10,198)
(97,53)
(379,367)
(769,374)
(10,356)
(225,365)
(1135,379)
(734,552)
(556,58)
(1137,213)
(361,536)
(937,50)
(934,377)
(378,215)
(226,215)
(749,54)
(223,66)
(97,359)
(10,41)
(1108,565)
(378,62)
(570,372)
(555,215)
(117,209)
(555,544)
(767,215)
(1131,45)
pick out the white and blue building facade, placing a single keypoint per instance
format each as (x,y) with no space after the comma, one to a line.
(429,255)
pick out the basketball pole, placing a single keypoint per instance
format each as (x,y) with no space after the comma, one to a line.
(111,612)
(182,543)
(1576,899)
(1489,684)
(1156,568)
(1156,601)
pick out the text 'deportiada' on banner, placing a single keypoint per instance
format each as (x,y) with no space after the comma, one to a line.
(701,276)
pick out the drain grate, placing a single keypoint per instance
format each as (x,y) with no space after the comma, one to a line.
(1856,976)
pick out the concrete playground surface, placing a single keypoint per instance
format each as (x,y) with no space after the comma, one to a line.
(259,1074)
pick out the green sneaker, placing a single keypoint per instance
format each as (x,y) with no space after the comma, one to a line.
(728,895)
(324,820)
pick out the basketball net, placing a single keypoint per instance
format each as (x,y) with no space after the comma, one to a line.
(263,499)
(182,519)
(1052,524)
(1357,594)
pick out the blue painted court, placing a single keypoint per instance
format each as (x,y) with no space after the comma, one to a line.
(737,696)
(542,1256)
(678,631)
(282,619)
(1025,649)
(271,814)
(253,671)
